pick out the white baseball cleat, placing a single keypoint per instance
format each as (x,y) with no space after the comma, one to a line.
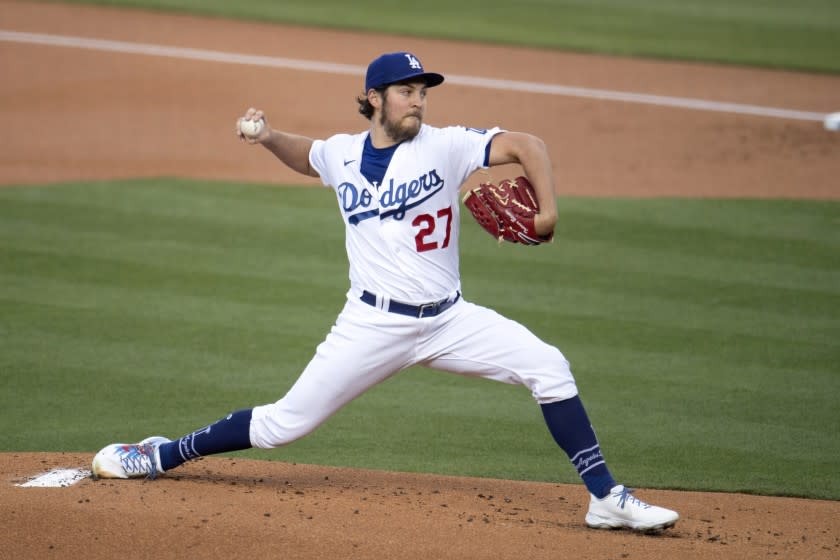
(129,460)
(621,509)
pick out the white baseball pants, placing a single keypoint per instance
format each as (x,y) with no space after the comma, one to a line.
(368,345)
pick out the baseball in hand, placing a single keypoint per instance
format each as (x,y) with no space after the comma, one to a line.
(250,128)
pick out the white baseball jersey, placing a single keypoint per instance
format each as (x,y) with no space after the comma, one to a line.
(402,244)
(402,235)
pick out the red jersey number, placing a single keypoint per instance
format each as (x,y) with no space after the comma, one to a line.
(427,224)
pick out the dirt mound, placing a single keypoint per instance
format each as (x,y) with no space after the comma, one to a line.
(233,508)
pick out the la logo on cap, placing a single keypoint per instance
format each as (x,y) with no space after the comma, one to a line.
(413,62)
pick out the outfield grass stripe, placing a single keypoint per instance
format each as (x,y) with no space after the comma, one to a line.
(645,291)
(658,266)
(178,255)
(745,246)
(634,313)
(234,226)
(132,272)
(774,219)
(280,315)
(195,200)
(616,334)
(719,383)
(38,242)
(107,350)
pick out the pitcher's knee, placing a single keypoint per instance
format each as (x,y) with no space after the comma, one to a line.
(553,390)
(275,425)
(554,382)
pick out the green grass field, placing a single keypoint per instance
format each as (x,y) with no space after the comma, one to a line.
(703,334)
(775,33)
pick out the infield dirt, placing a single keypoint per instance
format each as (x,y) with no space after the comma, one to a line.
(102,115)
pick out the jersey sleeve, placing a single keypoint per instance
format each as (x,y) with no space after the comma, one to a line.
(473,145)
(318,160)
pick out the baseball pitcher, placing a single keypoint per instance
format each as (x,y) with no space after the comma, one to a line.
(397,188)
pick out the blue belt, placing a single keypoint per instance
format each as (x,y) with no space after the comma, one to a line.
(423,310)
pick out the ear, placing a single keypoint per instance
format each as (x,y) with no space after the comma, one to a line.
(374,98)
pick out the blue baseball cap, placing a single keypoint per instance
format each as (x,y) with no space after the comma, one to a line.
(396,67)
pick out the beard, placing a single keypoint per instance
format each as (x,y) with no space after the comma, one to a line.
(403,128)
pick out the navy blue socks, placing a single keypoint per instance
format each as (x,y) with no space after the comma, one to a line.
(567,421)
(569,425)
(231,433)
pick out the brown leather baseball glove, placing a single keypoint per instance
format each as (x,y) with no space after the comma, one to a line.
(506,211)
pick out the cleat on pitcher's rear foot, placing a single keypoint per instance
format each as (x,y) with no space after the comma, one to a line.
(622,510)
(129,460)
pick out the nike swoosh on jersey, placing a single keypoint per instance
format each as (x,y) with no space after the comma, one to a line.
(348,162)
